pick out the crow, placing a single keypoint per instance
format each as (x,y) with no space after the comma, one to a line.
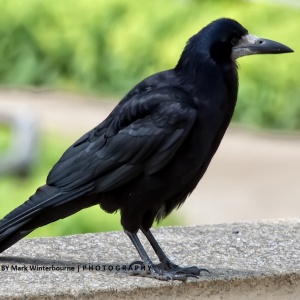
(151,151)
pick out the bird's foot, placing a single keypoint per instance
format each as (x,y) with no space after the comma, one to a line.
(170,266)
(138,268)
(165,271)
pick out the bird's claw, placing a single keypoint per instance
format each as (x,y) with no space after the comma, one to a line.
(165,275)
(136,267)
(170,266)
(165,271)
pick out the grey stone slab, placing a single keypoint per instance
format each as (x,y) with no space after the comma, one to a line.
(246,261)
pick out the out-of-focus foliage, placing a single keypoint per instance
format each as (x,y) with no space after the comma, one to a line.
(15,190)
(5,137)
(108,46)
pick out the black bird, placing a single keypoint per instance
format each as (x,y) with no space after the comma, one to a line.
(154,147)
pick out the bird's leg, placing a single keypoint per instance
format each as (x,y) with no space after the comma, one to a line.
(166,263)
(156,271)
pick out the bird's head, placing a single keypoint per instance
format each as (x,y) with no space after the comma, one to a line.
(226,39)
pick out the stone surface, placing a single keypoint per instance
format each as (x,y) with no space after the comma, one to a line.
(246,261)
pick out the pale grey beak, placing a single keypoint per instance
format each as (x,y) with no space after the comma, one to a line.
(250,44)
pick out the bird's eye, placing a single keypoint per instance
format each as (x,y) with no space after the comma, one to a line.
(234,41)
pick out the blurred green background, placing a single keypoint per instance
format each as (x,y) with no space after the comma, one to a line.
(105,47)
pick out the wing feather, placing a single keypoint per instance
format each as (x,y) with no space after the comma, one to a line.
(141,136)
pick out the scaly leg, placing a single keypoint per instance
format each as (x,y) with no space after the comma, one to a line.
(157,271)
(166,263)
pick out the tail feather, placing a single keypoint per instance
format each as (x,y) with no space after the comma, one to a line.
(47,205)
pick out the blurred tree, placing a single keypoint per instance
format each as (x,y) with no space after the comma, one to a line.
(108,46)
(100,46)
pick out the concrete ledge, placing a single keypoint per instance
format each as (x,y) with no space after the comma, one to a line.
(246,261)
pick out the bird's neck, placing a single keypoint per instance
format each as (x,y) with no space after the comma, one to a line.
(191,65)
(200,71)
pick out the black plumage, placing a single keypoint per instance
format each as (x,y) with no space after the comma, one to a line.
(154,147)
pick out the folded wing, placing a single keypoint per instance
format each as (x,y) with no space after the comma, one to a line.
(140,136)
